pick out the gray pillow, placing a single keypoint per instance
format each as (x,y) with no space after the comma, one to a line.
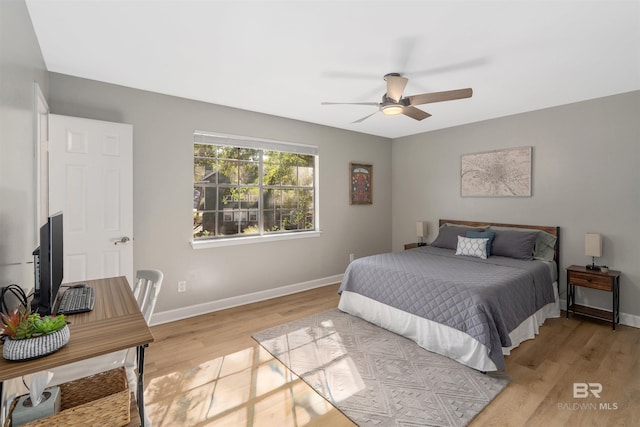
(448,236)
(514,244)
(545,246)
(545,243)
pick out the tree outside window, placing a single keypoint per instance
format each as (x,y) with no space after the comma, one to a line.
(242,192)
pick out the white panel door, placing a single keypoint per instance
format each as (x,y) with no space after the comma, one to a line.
(91,182)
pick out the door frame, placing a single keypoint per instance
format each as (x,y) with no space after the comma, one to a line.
(41,165)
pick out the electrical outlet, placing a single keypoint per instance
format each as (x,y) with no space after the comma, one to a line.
(350,257)
(182,286)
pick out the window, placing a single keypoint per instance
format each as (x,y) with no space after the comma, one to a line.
(251,187)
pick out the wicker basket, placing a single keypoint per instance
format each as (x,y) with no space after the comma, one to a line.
(99,400)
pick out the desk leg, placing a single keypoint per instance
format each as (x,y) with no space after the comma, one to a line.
(141,382)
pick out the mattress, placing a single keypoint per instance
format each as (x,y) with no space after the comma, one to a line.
(440,338)
(468,309)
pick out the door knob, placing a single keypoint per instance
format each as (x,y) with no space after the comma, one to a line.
(124,240)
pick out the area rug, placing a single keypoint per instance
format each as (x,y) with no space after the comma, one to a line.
(376,377)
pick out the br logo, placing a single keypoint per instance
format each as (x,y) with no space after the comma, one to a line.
(582,390)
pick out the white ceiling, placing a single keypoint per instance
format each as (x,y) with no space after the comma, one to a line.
(285,57)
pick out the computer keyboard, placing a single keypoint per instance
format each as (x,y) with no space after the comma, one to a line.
(77,300)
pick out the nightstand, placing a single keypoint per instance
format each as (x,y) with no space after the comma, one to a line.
(408,246)
(610,282)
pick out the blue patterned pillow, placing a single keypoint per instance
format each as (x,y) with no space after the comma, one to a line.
(483,235)
(472,247)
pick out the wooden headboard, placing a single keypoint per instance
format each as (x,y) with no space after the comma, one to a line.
(555,231)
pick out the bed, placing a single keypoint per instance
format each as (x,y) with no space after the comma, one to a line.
(474,294)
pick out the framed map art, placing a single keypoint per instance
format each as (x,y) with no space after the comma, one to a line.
(361,184)
(500,173)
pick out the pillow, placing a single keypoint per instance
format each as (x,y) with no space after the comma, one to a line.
(545,242)
(514,244)
(545,246)
(472,247)
(448,236)
(483,235)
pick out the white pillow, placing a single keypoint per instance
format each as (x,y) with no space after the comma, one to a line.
(472,247)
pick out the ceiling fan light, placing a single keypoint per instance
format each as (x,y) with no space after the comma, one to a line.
(392,110)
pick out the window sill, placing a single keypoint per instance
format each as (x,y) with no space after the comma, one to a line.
(217,243)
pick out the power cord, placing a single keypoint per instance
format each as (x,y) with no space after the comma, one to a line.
(17,291)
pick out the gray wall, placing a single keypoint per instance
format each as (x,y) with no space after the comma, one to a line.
(163,180)
(21,64)
(586,178)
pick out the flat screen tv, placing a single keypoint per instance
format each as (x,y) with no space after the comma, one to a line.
(51,264)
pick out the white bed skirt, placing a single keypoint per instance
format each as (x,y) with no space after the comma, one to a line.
(440,338)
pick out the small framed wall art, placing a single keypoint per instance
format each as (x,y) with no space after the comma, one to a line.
(361,184)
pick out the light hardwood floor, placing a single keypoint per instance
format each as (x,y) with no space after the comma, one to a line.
(209,371)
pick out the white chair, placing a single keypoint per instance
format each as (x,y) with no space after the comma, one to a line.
(145,290)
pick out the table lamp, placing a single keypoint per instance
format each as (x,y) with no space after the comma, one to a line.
(421,232)
(593,248)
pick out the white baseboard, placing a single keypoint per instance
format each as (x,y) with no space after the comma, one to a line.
(625,319)
(212,306)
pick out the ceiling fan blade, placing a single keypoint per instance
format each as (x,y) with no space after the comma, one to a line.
(395,86)
(364,118)
(350,103)
(350,75)
(475,62)
(449,95)
(404,51)
(415,113)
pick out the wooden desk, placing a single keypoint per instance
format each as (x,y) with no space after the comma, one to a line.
(114,324)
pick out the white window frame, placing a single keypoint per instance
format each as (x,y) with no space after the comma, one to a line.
(203,137)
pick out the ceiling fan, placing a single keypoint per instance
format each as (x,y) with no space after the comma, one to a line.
(394,103)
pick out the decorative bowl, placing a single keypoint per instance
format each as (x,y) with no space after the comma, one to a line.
(33,348)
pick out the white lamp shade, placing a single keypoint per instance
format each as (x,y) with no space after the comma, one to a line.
(421,229)
(593,244)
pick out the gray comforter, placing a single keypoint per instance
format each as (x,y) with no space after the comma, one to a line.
(486,299)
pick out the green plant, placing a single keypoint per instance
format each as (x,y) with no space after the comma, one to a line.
(22,324)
